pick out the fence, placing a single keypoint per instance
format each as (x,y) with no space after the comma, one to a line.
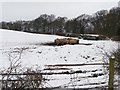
(34,80)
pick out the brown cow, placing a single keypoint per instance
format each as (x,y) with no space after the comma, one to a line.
(73,41)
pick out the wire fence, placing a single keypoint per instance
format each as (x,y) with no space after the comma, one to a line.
(36,80)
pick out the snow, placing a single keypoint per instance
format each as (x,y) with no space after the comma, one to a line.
(15,38)
(35,54)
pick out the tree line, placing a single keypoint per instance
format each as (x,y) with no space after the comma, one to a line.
(104,22)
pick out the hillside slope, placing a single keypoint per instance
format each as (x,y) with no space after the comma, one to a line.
(14,38)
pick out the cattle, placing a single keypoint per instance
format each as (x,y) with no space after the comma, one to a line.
(93,37)
(64,41)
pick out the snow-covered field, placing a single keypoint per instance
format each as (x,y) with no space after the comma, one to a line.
(35,54)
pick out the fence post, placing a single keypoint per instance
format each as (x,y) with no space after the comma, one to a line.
(111,73)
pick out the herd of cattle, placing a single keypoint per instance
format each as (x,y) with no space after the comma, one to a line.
(63,41)
(71,40)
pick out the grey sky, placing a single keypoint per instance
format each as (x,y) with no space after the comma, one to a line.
(12,11)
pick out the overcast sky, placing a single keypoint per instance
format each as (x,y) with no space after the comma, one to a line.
(12,11)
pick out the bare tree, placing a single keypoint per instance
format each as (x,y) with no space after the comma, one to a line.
(17,77)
